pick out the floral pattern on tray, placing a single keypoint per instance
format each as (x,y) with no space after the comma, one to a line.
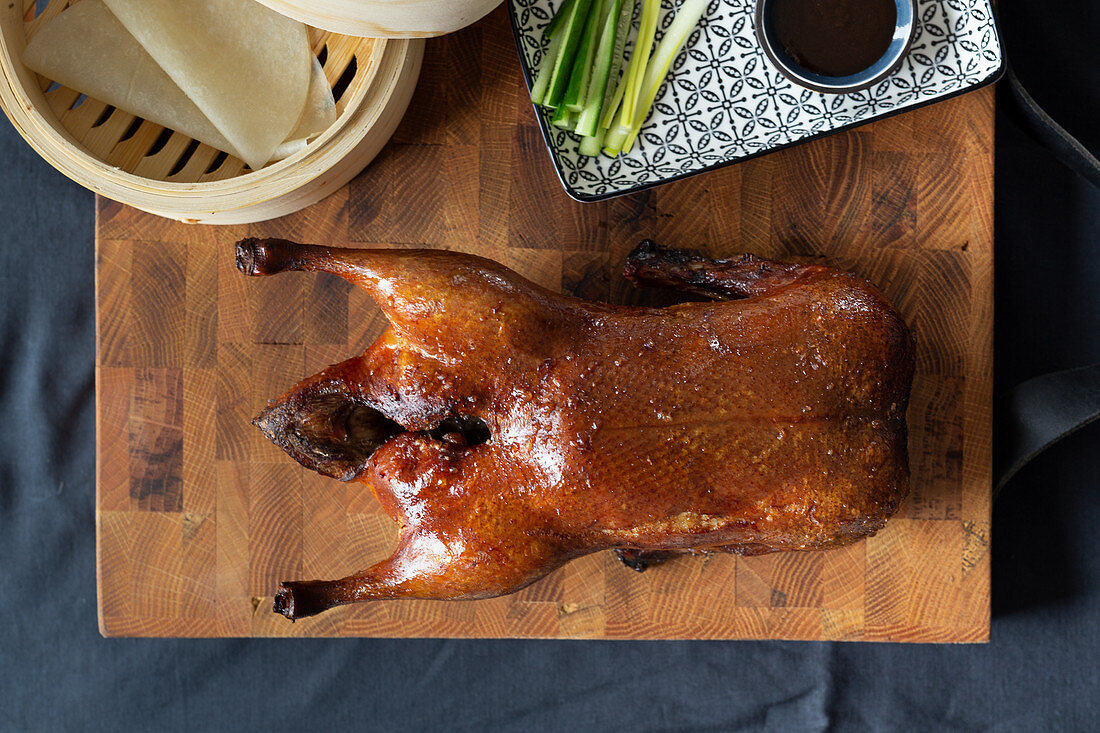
(723,101)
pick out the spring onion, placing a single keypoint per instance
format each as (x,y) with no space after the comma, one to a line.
(601,71)
(622,32)
(687,17)
(638,60)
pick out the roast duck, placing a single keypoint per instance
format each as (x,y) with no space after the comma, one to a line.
(508,429)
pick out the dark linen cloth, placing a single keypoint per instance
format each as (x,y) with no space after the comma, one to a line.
(1041,671)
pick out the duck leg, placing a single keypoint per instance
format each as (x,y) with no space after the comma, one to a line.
(444,304)
(450,545)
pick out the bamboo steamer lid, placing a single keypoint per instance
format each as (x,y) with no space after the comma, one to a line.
(386,18)
(164,172)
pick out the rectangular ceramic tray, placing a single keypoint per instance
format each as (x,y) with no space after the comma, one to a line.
(725,102)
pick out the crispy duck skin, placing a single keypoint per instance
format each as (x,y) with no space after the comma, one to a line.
(508,429)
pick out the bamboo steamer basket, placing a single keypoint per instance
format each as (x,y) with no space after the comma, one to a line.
(386,18)
(155,169)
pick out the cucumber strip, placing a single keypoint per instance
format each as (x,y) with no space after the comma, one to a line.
(601,71)
(588,119)
(639,59)
(546,70)
(590,145)
(622,31)
(564,118)
(579,77)
(687,17)
(555,22)
(571,31)
(613,112)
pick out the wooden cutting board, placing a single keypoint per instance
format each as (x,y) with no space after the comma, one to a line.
(198,517)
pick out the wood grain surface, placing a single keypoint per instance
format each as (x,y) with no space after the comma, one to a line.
(199,516)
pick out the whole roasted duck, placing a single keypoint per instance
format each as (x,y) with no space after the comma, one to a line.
(508,429)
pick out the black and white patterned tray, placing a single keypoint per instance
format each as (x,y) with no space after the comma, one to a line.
(724,102)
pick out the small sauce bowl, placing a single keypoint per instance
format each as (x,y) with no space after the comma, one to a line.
(886,65)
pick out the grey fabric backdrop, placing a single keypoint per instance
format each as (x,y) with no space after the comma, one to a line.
(1040,672)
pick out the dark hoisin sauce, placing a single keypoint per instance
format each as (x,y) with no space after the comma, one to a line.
(835,37)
